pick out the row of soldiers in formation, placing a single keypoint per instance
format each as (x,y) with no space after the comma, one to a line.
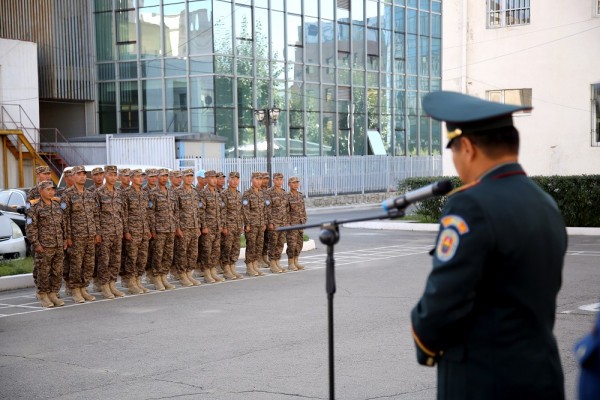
(123,226)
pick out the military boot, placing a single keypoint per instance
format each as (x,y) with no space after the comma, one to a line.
(291,265)
(250,269)
(199,272)
(166,282)
(184,280)
(114,290)
(215,275)
(220,269)
(297,263)
(76,294)
(158,285)
(208,278)
(279,266)
(273,267)
(255,265)
(55,300)
(265,261)
(86,295)
(190,276)
(44,300)
(105,291)
(234,271)
(140,286)
(227,272)
(133,287)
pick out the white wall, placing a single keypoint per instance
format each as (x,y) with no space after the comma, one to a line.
(557,55)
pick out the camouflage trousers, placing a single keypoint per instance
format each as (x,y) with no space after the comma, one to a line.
(254,243)
(186,254)
(162,253)
(123,257)
(65,269)
(148,266)
(47,269)
(230,247)
(81,261)
(265,247)
(276,241)
(295,240)
(136,250)
(109,258)
(211,248)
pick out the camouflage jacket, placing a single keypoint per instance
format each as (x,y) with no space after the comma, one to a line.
(46,225)
(135,211)
(254,207)
(162,207)
(277,207)
(188,205)
(297,211)
(214,212)
(234,218)
(81,212)
(33,193)
(110,212)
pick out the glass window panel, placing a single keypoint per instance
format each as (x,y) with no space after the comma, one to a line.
(373,108)
(104,37)
(436,58)
(387,80)
(358,47)
(245,66)
(203,121)
(328,74)
(328,96)
(151,69)
(202,92)
(436,25)
(343,35)
(436,137)
(313,134)
(412,3)
(343,138)
(294,7)
(424,84)
(359,78)
(386,16)
(436,85)
(295,54)
(399,46)
(107,107)
(126,26)
(343,76)
(399,24)
(385,131)
(424,23)
(127,51)
(222,20)
(278,70)
(400,81)
(177,120)
(296,98)
(411,103)
(245,93)
(201,65)
(102,5)
(358,14)
(244,32)
(399,142)
(311,40)
(294,71)
(372,79)
(106,72)
(328,122)
(312,73)
(261,34)
(150,32)
(153,121)
(411,62)
(200,27)
(386,101)
(127,70)
(328,42)
(343,10)
(424,55)
(148,3)
(262,93)
(424,5)
(294,29)
(296,119)
(327,9)
(436,7)
(424,140)
(277,39)
(386,51)
(359,134)
(174,29)
(176,93)
(412,21)
(224,123)
(372,17)
(152,94)
(277,5)
(246,142)
(261,3)
(223,65)
(413,136)
(312,97)
(175,67)
(245,117)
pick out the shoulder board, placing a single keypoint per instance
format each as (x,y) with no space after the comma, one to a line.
(56,199)
(463,187)
(34,201)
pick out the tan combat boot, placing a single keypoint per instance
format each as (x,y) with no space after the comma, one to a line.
(208,278)
(190,276)
(184,280)
(234,272)
(55,299)
(220,269)
(105,291)
(133,287)
(86,295)
(297,263)
(215,275)
(255,266)
(140,285)
(265,261)
(44,300)
(250,269)
(158,285)
(279,266)
(273,267)
(291,265)
(76,294)
(227,272)
(166,282)
(114,290)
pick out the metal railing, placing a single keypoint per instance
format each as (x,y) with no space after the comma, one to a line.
(328,175)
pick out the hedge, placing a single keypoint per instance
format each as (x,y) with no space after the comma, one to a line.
(578,197)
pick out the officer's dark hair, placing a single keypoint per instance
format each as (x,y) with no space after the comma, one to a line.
(496,142)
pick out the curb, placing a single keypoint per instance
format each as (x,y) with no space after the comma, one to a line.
(13,282)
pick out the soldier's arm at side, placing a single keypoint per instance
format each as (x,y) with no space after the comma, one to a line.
(31,227)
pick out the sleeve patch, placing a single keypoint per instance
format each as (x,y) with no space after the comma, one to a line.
(27,205)
(63,205)
(457,222)
(447,245)
(150,204)
(245,202)
(29,221)
(268,202)
(200,205)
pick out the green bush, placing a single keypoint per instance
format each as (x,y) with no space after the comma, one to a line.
(577,197)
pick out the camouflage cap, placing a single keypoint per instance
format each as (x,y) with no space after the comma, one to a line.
(293,179)
(45,184)
(110,168)
(68,172)
(97,170)
(163,171)
(210,173)
(234,174)
(77,169)
(42,169)
(124,172)
(257,175)
(152,172)
(188,172)
(136,172)
(220,175)
(265,175)
(175,173)
(277,175)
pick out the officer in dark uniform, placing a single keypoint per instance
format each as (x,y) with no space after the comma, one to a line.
(488,310)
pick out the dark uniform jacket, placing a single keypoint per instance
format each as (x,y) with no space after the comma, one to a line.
(489,306)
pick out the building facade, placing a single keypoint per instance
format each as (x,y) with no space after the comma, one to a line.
(337,70)
(540,53)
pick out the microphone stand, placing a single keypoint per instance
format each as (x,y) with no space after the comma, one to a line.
(330,235)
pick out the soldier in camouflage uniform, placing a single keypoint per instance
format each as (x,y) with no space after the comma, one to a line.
(47,233)
(136,228)
(125,181)
(81,212)
(151,182)
(255,222)
(97,182)
(68,178)
(263,259)
(43,174)
(199,187)
(124,178)
(277,217)
(297,216)
(212,228)
(188,230)
(109,228)
(163,224)
(175,177)
(234,222)
(220,182)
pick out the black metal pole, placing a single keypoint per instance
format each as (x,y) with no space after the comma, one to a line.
(269,145)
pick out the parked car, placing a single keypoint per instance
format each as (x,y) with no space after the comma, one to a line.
(12,240)
(12,202)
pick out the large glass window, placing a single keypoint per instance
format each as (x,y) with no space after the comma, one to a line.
(200,39)
(243,32)
(129,107)
(107,107)
(502,13)
(152,95)
(104,38)
(277,39)
(150,32)
(294,38)
(222,27)
(174,30)
(176,104)
(519,97)
(596,112)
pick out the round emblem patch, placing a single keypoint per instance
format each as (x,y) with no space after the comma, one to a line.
(29,221)
(200,205)
(149,204)
(222,204)
(27,205)
(268,202)
(447,245)
(63,205)
(245,202)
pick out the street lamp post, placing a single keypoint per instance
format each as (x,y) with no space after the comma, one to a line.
(268,117)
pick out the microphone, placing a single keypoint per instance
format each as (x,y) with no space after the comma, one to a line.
(438,188)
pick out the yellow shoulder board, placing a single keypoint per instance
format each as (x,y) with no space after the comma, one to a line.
(34,201)
(463,187)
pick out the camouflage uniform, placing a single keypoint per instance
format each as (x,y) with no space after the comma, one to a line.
(213,215)
(137,224)
(297,216)
(234,222)
(147,188)
(163,223)
(277,215)
(121,188)
(265,248)
(59,193)
(253,209)
(189,224)
(109,225)
(46,227)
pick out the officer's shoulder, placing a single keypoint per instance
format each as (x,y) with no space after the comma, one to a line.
(33,202)
(464,188)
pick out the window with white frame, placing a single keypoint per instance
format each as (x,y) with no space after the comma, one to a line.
(596,114)
(519,97)
(501,13)
(597,8)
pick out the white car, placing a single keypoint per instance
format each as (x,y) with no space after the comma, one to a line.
(12,241)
